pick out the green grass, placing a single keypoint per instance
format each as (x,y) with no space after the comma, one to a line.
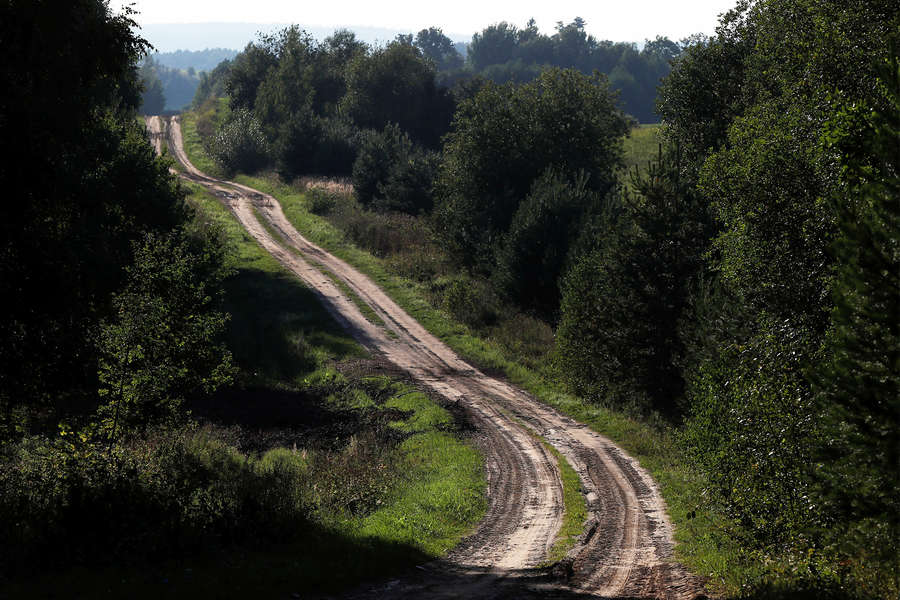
(705,540)
(642,146)
(576,508)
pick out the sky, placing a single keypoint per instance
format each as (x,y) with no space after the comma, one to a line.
(617,20)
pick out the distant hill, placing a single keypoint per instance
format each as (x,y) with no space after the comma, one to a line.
(199,60)
(170,37)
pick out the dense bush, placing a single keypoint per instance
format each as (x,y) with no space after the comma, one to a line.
(625,300)
(240,144)
(173,491)
(506,137)
(533,254)
(471,301)
(391,173)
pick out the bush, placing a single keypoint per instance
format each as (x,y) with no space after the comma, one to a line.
(240,144)
(471,301)
(533,254)
(755,428)
(392,174)
(153,497)
(336,148)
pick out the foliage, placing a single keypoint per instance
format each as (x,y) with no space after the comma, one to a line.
(534,252)
(619,338)
(239,143)
(391,173)
(439,48)
(505,137)
(202,61)
(153,99)
(502,53)
(212,83)
(754,428)
(861,381)
(396,84)
(161,346)
(87,185)
(799,182)
(702,94)
(177,490)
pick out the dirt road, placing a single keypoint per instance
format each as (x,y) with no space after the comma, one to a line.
(626,550)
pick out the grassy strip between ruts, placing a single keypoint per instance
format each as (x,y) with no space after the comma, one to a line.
(706,541)
(573,499)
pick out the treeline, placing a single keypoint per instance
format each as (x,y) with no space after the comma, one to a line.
(744,285)
(503,53)
(198,60)
(749,286)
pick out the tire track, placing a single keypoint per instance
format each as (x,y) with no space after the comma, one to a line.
(626,550)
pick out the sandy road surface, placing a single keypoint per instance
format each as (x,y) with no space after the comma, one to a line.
(627,545)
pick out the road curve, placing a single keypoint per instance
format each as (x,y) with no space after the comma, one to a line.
(626,549)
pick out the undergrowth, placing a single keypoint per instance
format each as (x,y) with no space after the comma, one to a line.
(303,469)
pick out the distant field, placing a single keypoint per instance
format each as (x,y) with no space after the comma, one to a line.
(642,145)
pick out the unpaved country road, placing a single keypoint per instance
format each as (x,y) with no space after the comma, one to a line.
(626,550)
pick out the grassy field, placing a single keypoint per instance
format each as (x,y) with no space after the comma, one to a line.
(642,146)
(706,541)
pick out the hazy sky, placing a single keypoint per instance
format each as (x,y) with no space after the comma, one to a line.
(618,20)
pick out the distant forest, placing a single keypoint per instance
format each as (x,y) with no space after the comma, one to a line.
(199,60)
(500,53)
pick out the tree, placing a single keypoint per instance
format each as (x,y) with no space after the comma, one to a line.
(153,101)
(248,70)
(396,84)
(494,45)
(624,299)
(505,137)
(702,94)
(392,173)
(439,48)
(160,346)
(861,381)
(240,144)
(87,185)
(534,252)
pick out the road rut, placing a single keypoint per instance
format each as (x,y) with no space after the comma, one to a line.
(626,550)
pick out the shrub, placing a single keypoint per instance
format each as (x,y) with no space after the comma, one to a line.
(152,497)
(471,301)
(240,144)
(392,174)
(531,258)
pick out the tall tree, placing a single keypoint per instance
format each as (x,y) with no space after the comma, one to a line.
(86,183)
(505,137)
